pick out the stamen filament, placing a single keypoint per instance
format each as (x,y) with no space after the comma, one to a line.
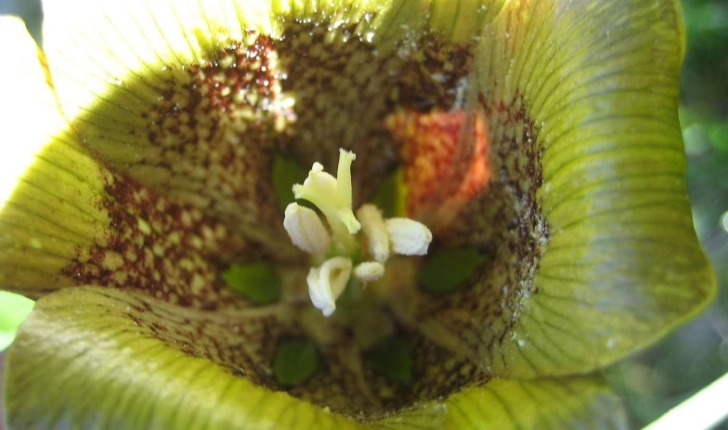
(375,230)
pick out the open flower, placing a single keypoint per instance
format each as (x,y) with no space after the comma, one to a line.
(142,161)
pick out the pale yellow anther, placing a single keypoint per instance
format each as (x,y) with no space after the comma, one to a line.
(369,271)
(375,230)
(326,283)
(306,230)
(408,236)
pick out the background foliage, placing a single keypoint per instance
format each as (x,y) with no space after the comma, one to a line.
(697,353)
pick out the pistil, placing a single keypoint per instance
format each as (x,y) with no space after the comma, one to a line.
(333,197)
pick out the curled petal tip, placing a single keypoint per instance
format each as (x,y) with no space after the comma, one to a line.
(326,283)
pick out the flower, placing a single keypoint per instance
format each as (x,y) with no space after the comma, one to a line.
(537,140)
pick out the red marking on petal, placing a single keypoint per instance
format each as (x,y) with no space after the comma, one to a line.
(445,161)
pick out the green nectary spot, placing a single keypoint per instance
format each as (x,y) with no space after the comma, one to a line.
(296,360)
(390,196)
(286,173)
(391,358)
(448,269)
(14,309)
(257,282)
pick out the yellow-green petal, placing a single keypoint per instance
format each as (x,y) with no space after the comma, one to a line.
(587,214)
(49,186)
(66,219)
(139,82)
(565,403)
(91,357)
(623,260)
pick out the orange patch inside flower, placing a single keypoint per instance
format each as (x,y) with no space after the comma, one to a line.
(445,161)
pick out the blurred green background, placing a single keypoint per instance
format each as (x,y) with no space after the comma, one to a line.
(695,355)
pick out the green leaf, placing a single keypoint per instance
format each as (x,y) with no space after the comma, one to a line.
(390,195)
(566,403)
(14,309)
(257,282)
(296,361)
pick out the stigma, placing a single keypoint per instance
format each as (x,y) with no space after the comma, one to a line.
(345,247)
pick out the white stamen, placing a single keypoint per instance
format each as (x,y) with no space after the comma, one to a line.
(375,231)
(306,230)
(326,283)
(408,237)
(333,197)
(369,271)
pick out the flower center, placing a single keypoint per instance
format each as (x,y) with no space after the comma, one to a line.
(345,246)
(200,211)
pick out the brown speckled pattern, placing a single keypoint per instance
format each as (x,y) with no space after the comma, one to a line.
(242,343)
(436,371)
(506,223)
(214,125)
(340,385)
(171,251)
(345,89)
